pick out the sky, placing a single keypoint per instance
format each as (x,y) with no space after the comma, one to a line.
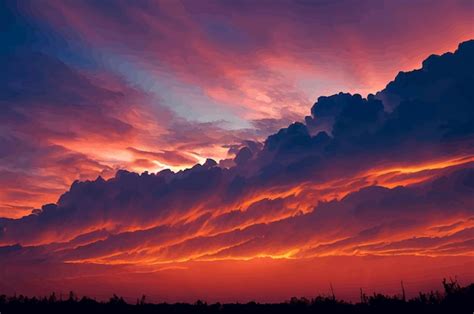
(173,141)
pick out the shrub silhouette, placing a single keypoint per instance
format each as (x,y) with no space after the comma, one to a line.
(454,299)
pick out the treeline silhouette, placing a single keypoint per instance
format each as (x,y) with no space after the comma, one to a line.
(454,299)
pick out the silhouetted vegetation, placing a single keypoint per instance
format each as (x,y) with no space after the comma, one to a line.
(454,299)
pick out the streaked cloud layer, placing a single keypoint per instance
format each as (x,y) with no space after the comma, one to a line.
(103,93)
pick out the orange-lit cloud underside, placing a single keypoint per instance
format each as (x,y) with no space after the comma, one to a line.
(203,233)
(214,240)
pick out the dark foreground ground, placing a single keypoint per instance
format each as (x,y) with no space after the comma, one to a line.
(454,299)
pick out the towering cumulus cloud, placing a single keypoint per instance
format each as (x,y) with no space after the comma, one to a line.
(384,179)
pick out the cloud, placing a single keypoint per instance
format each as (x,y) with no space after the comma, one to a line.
(293,167)
(361,176)
(361,126)
(242,66)
(98,93)
(373,220)
(167,157)
(69,124)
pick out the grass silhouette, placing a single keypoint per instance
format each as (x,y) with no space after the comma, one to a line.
(454,299)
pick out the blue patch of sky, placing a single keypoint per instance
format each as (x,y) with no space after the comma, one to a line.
(187,101)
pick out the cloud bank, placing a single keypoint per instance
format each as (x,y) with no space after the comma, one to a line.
(387,175)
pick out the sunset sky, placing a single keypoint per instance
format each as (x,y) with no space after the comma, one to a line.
(235,150)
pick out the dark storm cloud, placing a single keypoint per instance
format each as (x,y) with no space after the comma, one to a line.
(419,124)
